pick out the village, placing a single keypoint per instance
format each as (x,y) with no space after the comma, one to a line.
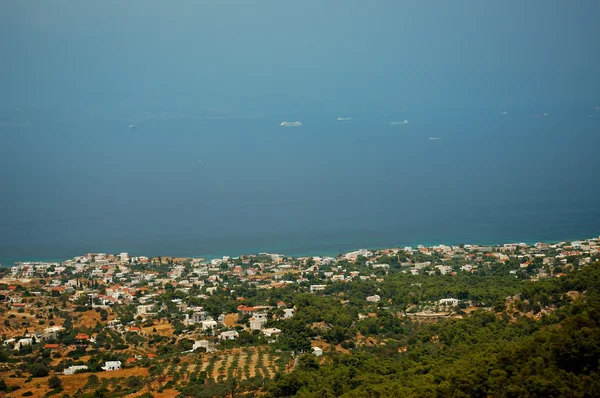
(155,324)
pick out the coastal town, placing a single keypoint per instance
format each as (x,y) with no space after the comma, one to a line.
(126,324)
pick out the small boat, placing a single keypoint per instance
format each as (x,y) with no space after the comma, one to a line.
(290,124)
(400,123)
(343,119)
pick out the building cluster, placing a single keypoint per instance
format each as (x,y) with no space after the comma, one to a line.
(102,281)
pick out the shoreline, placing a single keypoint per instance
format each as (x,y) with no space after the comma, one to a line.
(311,252)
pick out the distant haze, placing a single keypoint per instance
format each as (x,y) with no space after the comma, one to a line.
(107,108)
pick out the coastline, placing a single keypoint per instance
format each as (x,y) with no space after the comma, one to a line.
(325,252)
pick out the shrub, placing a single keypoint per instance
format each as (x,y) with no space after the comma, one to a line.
(134,382)
(92,381)
(54,382)
(39,370)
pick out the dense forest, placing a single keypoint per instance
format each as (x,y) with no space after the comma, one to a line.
(489,353)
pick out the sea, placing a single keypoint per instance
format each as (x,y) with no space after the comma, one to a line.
(182,185)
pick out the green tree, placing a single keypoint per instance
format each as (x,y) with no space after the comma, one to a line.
(39,370)
(54,382)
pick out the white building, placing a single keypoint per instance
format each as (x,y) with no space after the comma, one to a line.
(71,370)
(211,290)
(316,351)
(449,302)
(23,342)
(208,325)
(203,344)
(145,309)
(271,332)
(354,255)
(288,313)
(316,288)
(444,269)
(54,329)
(257,321)
(373,299)
(200,344)
(111,365)
(229,335)
(382,266)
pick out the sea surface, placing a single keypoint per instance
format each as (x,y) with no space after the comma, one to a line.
(186,186)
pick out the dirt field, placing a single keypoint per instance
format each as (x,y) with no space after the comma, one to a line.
(223,363)
(71,383)
(231,320)
(242,363)
(88,319)
(163,329)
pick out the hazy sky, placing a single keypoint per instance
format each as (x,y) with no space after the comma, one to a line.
(258,54)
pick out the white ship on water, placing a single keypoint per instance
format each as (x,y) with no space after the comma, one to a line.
(290,124)
(343,119)
(434,138)
(403,122)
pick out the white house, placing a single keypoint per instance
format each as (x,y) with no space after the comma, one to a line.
(271,332)
(257,321)
(54,329)
(449,302)
(71,370)
(203,344)
(144,309)
(382,266)
(316,288)
(200,344)
(444,269)
(354,255)
(211,290)
(23,343)
(111,365)
(208,325)
(288,313)
(316,351)
(374,299)
(229,335)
